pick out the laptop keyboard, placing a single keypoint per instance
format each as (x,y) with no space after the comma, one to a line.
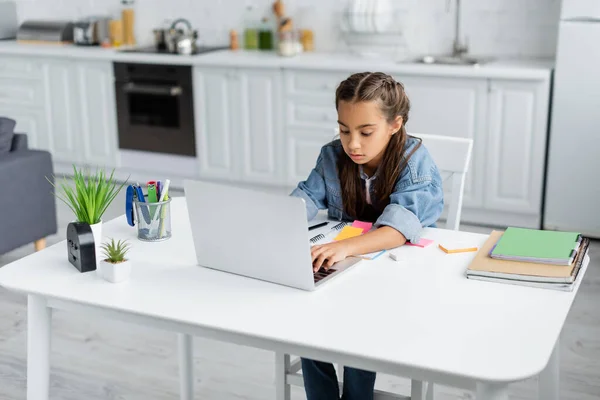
(323,273)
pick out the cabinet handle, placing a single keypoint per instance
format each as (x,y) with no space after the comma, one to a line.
(152,89)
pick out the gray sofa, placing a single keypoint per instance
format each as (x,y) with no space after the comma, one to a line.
(27,202)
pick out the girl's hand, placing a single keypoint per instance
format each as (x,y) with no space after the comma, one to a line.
(325,255)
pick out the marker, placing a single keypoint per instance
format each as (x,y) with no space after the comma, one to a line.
(152,197)
(310,228)
(164,193)
(165,190)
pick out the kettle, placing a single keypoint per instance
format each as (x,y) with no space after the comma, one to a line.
(180,41)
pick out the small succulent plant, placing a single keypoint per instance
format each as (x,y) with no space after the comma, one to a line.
(115,252)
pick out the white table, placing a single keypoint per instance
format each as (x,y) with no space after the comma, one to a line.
(418,318)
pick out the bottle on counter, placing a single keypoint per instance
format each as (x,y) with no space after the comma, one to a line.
(287,45)
(115,31)
(307,40)
(233,40)
(265,36)
(128,18)
(250,29)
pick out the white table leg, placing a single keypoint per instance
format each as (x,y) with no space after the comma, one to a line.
(548,385)
(491,391)
(282,368)
(186,367)
(39,323)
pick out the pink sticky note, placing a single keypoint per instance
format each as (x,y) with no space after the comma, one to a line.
(365,226)
(422,243)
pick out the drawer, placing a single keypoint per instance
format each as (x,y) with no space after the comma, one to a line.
(21,92)
(319,83)
(303,148)
(14,67)
(303,112)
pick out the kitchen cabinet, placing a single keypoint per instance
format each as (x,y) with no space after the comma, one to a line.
(43,103)
(238,128)
(23,98)
(215,123)
(64,107)
(454,107)
(261,136)
(303,148)
(61,108)
(310,118)
(264,125)
(97,114)
(517,148)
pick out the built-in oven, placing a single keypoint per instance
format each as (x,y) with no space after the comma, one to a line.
(155,108)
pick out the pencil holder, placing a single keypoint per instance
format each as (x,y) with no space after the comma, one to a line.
(153,220)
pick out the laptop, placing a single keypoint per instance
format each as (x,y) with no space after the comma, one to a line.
(259,235)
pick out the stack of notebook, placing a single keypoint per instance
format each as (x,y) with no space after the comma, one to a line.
(531,257)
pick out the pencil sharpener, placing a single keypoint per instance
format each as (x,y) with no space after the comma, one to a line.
(81,249)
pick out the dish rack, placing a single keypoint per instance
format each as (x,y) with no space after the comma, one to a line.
(369,28)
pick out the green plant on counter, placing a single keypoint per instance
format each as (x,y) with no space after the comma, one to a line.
(88,195)
(115,252)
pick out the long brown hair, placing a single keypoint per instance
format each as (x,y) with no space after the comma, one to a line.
(393,102)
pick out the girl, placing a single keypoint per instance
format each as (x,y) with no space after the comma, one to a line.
(375,172)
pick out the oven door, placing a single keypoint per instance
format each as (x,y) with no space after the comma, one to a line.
(155,117)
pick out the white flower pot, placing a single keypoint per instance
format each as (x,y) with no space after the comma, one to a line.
(115,273)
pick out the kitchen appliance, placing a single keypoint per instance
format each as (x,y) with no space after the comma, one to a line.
(45,31)
(181,41)
(572,181)
(8,20)
(155,50)
(177,40)
(155,108)
(91,30)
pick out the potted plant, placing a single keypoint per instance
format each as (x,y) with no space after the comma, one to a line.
(88,196)
(114,267)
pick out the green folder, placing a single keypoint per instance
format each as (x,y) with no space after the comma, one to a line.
(531,245)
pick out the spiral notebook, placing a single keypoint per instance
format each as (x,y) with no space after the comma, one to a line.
(345,230)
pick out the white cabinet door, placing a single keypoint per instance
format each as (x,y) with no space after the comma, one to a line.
(452,107)
(258,105)
(61,107)
(97,108)
(303,148)
(517,146)
(216,122)
(31,122)
(238,127)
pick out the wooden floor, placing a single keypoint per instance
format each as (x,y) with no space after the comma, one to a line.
(103,359)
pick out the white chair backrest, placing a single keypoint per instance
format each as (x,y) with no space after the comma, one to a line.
(452,156)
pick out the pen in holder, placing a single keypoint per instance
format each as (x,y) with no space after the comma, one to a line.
(153,219)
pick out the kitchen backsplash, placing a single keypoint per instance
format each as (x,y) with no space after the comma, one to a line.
(510,28)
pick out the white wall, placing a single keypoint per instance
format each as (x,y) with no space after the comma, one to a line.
(494,27)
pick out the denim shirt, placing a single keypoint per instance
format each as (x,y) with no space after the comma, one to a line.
(416,202)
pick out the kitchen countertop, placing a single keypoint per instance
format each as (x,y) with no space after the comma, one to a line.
(500,68)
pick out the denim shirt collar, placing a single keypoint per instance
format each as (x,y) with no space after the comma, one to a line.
(364,176)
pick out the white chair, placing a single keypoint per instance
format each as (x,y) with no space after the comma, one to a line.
(452,157)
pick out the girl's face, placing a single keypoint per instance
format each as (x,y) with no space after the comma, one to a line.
(365,132)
